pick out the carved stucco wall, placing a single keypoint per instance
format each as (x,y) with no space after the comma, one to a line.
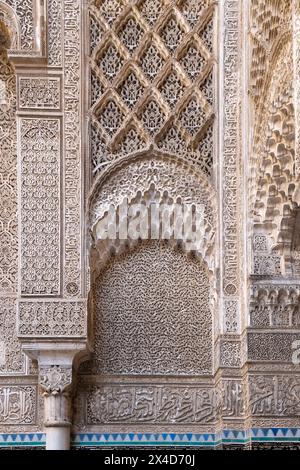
(18,395)
(272,193)
(159,97)
(32,128)
(153,314)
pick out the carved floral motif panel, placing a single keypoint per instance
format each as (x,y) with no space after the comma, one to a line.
(39,93)
(40,206)
(8,180)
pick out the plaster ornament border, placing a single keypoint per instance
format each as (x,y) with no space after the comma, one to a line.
(230,170)
(175,404)
(72,253)
(8,178)
(149,171)
(55,33)
(40,182)
(39,92)
(52,319)
(150,157)
(12,361)
(165,405)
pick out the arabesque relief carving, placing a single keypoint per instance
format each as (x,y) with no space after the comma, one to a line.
(171,102)
(152,80)
(149,318)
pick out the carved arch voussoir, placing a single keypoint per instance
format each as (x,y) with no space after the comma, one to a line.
(9,28)
(147,175)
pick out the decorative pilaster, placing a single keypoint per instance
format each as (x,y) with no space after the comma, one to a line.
(51,330)
(231,292)
(58,362)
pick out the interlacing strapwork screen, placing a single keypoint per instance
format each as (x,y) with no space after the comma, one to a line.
(151,79)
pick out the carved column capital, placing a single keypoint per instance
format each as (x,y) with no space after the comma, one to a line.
(56,383)
(55,379)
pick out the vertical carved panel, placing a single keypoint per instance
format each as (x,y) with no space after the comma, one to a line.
(72,128)
(55,33)
(40,206)
(11,358)
(231,164)
(8,183)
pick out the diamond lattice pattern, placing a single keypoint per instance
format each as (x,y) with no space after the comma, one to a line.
(152,66)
